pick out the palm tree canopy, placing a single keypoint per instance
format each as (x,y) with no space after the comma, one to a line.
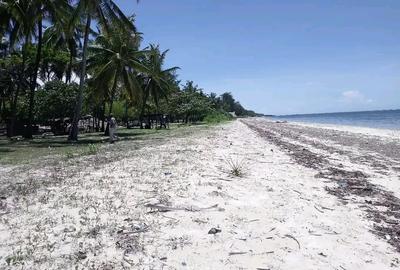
(19,18)
(157,79)
(116,54)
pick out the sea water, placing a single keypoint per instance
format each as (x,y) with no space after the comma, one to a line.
(387,119)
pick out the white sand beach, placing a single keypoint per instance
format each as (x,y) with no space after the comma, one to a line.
(307,198)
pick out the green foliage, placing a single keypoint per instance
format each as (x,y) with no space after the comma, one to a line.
(92,149)
(54,64)
(120,110)
(190,103)
(227,103)
(216,117)
(55,100)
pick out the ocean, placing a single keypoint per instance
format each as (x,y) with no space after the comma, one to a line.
(387,119)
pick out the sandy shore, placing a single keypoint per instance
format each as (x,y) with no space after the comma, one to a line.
(307,198)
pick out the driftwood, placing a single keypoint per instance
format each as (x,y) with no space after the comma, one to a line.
(163,208)
(237,253)
(319,210)
(325,208)
(292,237)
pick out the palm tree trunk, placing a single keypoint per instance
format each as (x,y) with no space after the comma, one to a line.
(114,87)
(33,83)
(1,107)
(73,135)
(145,97)
(68,74)
(103,115)
(126,113)
(14,101)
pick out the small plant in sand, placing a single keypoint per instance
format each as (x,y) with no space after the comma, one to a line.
(92,149)
(235,167)
(17,258)
(69,155)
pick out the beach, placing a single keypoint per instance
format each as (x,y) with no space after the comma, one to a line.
(247,194)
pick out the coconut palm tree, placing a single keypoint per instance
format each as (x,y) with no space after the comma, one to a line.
(63,35)
(23,20)
(115,59)
(157,83)
(107,14)
(18,24)
(50,10)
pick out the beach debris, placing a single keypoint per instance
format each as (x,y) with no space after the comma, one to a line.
(214,231)
(314,233)
(224,179)
(395,262)
(319,210)
(137,228)
(69,229)
(81,255)
(322,254)
(164,208)
(237,253)
(352,185)
(324,207)
(294,238)
(253,220)
(199,221)
(94,231)
(298,192)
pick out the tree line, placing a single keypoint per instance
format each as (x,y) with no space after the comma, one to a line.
(63,58)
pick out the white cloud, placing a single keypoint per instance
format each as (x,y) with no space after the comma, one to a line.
(354,96)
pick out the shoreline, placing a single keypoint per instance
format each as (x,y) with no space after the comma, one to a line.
(384,132)
(98,211)
(390,133)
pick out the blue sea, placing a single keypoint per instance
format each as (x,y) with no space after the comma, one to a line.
(387,119)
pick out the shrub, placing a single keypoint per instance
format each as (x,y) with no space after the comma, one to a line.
(217,117)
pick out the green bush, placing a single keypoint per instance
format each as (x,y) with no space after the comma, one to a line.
(56,99)
(217,117)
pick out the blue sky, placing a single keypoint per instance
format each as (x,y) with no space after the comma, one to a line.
(282,57)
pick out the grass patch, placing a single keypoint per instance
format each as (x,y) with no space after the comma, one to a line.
(27,151)
(92,149)
(22,151)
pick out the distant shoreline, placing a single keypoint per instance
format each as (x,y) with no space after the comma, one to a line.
(383,119)
(326,113)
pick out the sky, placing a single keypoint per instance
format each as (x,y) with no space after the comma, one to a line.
(281,57)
